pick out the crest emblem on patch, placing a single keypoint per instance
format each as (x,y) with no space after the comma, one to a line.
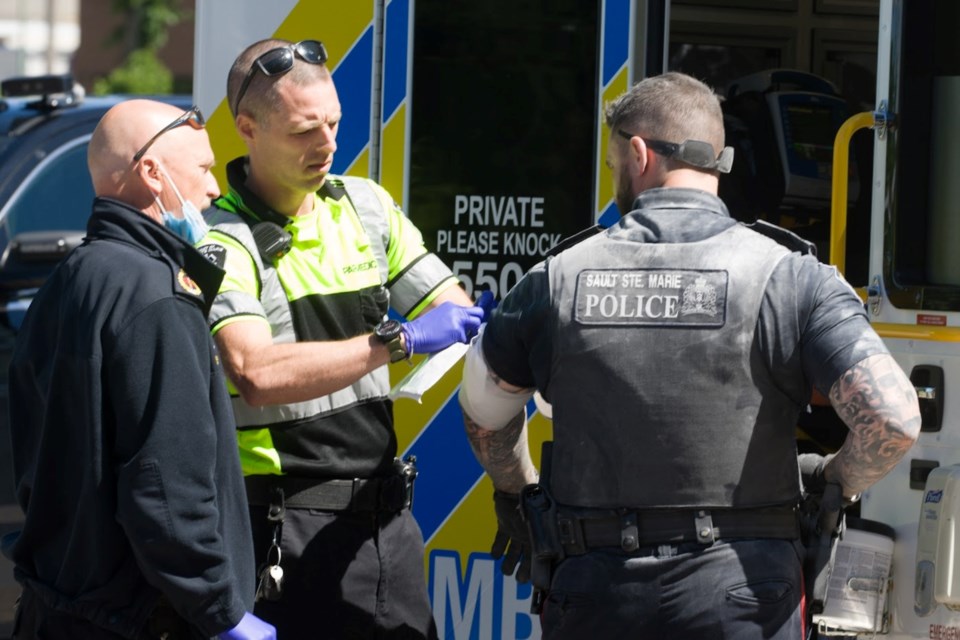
(215,253)
(187,283)
(699,298)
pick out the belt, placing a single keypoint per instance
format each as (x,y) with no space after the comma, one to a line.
(631,529)
(387,493)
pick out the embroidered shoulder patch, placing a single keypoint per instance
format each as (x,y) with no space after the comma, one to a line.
(215,253)
(187,283)
(651,297)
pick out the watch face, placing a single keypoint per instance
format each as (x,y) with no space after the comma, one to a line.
(388,330)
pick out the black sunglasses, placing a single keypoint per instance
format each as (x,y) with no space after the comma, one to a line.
(191,117)
(696,153)
(280,60)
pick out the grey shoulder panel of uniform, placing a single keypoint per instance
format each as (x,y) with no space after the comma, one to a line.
(575,239)
(214,215)
(783,237)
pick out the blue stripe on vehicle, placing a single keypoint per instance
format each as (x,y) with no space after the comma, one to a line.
(610,215)
(395,56)
(616,37)
(446,465)
(353,77)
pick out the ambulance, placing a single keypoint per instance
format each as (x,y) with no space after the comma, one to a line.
(484,121)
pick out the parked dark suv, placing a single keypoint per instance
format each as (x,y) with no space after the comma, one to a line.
(45,189)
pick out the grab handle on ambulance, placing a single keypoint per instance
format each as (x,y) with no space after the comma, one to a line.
(841,170)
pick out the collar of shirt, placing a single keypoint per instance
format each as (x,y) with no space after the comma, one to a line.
(243,200)
(305,229)
(674,215)
(115,220)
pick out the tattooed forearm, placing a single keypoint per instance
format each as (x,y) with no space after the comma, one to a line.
(878,404)
(504,454)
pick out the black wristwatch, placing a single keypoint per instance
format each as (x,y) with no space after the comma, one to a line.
(388,332)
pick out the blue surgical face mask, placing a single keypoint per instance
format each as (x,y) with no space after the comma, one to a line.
(191,227)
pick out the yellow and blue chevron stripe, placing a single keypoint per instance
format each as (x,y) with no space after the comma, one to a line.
(615,78)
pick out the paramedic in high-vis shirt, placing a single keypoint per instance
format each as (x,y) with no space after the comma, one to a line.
(313,263)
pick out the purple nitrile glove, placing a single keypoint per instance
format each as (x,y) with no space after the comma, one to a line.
(487,302)
(250,627)
(439,328)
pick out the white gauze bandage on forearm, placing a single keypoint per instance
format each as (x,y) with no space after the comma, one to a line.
(481,398)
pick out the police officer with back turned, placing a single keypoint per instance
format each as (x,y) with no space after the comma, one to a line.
(677,348)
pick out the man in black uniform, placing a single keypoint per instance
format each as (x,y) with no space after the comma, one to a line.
(124,447)
(677,348)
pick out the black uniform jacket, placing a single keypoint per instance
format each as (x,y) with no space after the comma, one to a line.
(124,446)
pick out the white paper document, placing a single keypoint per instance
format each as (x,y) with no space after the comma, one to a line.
(428,372)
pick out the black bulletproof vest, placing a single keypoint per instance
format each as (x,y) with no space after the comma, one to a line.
(660,396)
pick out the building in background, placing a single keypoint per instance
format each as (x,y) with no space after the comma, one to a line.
(60,36)
(38,36)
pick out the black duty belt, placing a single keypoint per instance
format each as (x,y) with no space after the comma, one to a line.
(389,493)
(581,530)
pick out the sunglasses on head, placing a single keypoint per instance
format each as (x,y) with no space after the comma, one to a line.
(696,153)
(191,117)
(280,60)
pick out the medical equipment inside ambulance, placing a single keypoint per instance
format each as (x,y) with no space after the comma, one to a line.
(782,125)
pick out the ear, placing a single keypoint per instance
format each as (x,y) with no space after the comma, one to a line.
(148,170)
(640,154)
(246,127)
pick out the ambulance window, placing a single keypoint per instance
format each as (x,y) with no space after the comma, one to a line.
(720,55)
(781,115)
(498,178)
(924,157)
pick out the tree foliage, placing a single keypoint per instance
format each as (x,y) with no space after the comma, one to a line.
(141,73)
(147,22)
(142,33)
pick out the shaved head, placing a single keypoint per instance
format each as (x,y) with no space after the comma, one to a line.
(179,155)
(121,132)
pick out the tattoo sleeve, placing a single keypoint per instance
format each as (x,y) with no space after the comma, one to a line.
(878,403)
(504,454)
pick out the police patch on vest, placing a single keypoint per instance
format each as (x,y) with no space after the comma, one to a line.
(651,297)
(215,253)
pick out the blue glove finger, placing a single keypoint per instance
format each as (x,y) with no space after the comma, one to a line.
(487,302)
(471,323)
(250,627)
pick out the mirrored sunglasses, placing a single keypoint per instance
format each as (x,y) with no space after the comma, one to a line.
(280,60)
